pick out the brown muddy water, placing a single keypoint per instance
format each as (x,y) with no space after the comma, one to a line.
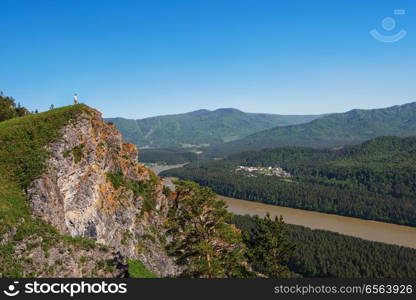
(365,229)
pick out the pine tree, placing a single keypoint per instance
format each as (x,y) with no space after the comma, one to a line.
(9,109)
(269,247)
(203,241)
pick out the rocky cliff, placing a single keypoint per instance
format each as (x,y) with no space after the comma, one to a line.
(93,187)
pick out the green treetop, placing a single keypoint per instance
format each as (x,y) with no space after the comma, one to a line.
(203,241)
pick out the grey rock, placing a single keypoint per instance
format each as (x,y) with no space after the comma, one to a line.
(75,195)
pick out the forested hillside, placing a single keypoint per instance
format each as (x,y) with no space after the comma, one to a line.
(320,253)
(332,130)
(200,128)
(374,180)
(167,156)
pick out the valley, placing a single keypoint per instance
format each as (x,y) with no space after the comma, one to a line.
(374,180)
(268,141)
(364,229)
(142,216)
(346,207)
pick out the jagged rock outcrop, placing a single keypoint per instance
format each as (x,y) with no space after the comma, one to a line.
(64,258)
(94,187)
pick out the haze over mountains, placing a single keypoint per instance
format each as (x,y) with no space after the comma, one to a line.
(225,131)
(201,128)
(334,130)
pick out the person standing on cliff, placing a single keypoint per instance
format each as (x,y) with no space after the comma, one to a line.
(75,98)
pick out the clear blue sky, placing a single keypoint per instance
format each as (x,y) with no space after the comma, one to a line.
(143,58)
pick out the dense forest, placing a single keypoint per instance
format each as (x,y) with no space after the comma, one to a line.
(374,180)
(320,253)
(167,156)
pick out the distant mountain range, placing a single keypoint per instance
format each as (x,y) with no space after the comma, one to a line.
(334,130)
(201,128)
(226,131)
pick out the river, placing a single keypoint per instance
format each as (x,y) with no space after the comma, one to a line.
(160,168)
(365,229)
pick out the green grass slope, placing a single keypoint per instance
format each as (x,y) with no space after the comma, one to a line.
(200,128)
(332,130)
(138,270)
(22,156)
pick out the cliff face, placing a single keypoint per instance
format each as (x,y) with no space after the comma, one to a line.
(94,187)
